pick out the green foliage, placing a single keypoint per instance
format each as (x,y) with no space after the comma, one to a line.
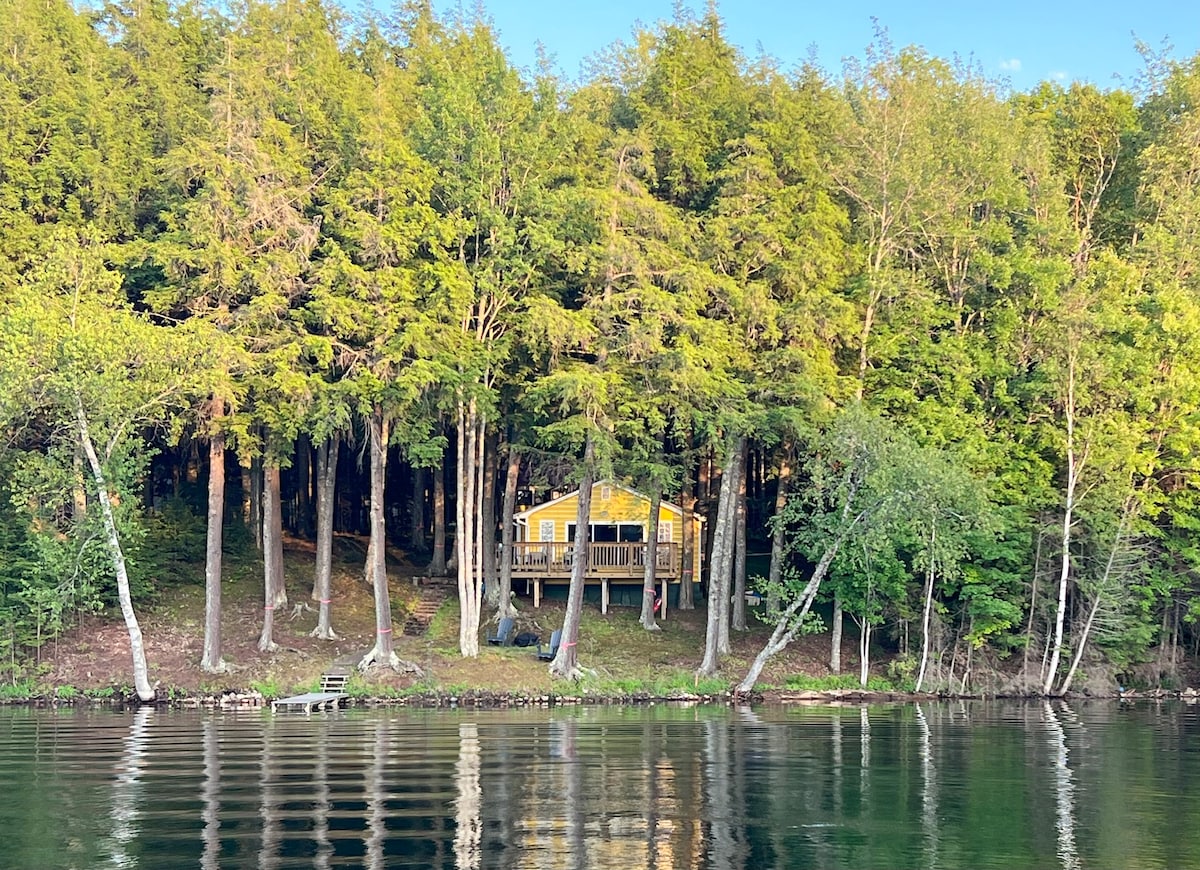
(844,682)
(269,688)
(670,685)
(962,308)
(20,689)
(173,545)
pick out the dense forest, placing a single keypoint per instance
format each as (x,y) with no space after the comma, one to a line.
(934,344)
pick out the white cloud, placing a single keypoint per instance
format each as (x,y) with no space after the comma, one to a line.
(1011,65)
(1058,76)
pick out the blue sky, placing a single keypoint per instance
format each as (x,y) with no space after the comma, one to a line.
(1022,41)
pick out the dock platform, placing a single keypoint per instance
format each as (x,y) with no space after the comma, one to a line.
(309,702)
(329,698)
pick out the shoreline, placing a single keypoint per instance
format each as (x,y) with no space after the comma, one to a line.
(247,699)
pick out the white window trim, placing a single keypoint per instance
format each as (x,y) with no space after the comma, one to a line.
(570,524)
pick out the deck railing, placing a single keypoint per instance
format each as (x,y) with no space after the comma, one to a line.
(605,559)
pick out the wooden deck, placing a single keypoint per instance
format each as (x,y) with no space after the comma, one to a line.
(329,698)
(309,702)
(542,562)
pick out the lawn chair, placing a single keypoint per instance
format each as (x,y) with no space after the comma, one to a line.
(548,654)
(504,632)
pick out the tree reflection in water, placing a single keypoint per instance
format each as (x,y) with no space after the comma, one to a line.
(1064,790)
(972,784)
(929,823)
(268,807)
(127,788)
(468,805)
(322,803)
(210,798)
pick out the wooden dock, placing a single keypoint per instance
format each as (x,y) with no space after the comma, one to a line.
(330,697)
(309,702)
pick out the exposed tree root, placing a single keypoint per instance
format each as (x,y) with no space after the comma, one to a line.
(393,661)
(299,608)
(574,674)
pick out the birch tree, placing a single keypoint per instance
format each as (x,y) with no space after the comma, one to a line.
(868,482)
(101,375)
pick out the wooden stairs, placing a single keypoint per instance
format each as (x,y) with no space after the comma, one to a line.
(432,598)
(334,681)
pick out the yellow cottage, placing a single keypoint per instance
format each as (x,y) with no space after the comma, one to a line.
(617,532)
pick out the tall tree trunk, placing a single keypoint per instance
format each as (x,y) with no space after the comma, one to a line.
(437,564)
(478,528)
(775,569)
(734,469)
(927,612)
(416,529)
(467,537)
(487,524)
(302,521)
(738,620)
(1068,521)
(651,567)
(210,658)
(273,532)
(327,456)
(836,622)
(256,501)
(566,662)
(688,544)
(511,478)
(708,507)
(382,653)
(720,567)
(79,488)
(864,651)
(246,495)
(272,547)
(141,678)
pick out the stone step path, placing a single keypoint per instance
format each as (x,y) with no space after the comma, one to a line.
(432,598)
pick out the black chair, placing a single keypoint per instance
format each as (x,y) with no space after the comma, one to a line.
(546,655)
(504,632)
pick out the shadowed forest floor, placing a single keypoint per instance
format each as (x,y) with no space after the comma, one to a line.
(94,654)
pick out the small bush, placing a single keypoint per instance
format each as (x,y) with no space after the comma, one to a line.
(268,688)
(19,690)
(835,682)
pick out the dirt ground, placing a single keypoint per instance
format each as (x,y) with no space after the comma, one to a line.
(94,655)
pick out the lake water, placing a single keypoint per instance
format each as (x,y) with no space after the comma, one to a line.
(947,785)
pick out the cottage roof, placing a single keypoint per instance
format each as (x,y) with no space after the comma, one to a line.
(669,506)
